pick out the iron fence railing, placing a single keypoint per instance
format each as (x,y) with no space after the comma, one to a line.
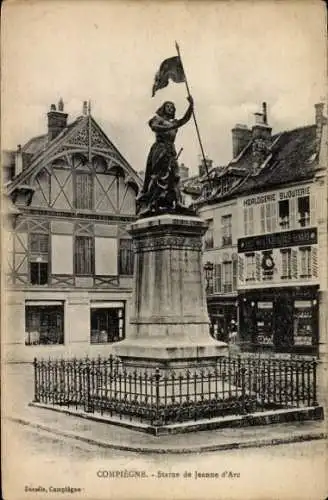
(235,385)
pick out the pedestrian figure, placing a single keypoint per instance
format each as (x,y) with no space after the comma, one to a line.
(233,332)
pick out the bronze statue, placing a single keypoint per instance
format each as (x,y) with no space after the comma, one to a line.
(161,192)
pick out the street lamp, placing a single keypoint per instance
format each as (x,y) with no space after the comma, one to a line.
(208,268)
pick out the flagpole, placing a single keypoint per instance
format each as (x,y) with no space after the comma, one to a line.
(193,115)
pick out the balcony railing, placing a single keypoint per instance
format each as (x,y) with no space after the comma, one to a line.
(226,241)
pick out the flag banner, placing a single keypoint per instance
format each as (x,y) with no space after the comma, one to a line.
(169,69)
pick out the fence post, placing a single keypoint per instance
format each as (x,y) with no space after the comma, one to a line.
(36,394)
(314,366)
(88,400)
(243,390)
(157,420)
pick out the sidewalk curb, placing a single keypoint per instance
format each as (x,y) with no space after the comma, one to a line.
(307,436)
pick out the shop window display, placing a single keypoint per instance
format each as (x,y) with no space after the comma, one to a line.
(264,323)
(303,327)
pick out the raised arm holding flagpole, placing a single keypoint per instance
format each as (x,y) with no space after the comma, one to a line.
(172,69)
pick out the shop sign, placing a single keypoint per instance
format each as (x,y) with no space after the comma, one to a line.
(296,237)
(286,194)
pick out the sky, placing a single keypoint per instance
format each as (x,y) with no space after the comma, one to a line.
(236,55)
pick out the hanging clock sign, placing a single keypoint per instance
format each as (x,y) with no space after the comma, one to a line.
(267,262)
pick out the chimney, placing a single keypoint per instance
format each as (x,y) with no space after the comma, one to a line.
(57,120)
(261,134)
(320,121)
(319,113)
(241,135)
(183,171)
(261,129)
(264,113)
(85,108)
(18,160)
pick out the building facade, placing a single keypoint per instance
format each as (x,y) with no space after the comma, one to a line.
(69,257)
(275,188)
(220,259)
(278,278)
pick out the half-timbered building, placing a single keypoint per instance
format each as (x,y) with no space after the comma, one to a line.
(70,195)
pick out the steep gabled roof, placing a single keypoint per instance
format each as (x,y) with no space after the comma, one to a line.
(292,158)
(77,135)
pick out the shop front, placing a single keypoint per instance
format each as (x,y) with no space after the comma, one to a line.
(279,319)
(223,315)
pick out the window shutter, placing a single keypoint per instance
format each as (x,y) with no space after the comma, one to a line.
(251,220)
(245,221)
(217,278)
(314,253)
(293,222)
(262,218)
(258,267)
(234,273)
(313,208)
(274,216)
(61,254)
(106,256)
(294,264)
(241,268)
(126,256)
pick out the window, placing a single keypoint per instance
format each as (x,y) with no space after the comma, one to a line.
(39,243)
(270,217)
(284,214)
(226,223)
(227,277)
(126,257)
(306,271)
(84,255)
(107,323)
(226,184)
(286,263)
(44,324)
(206,190)
(38,258)
(38,273)
(303,209)
(249,221)
(264,323)
(83,190)
(250,266)
(208,239)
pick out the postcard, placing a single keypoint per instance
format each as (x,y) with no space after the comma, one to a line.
(164,250)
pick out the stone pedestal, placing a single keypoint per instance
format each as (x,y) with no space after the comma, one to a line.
(169,322)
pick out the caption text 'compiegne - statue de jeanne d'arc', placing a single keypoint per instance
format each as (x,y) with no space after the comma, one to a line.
(161,191)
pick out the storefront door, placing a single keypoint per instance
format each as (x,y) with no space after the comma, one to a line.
(283,322)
